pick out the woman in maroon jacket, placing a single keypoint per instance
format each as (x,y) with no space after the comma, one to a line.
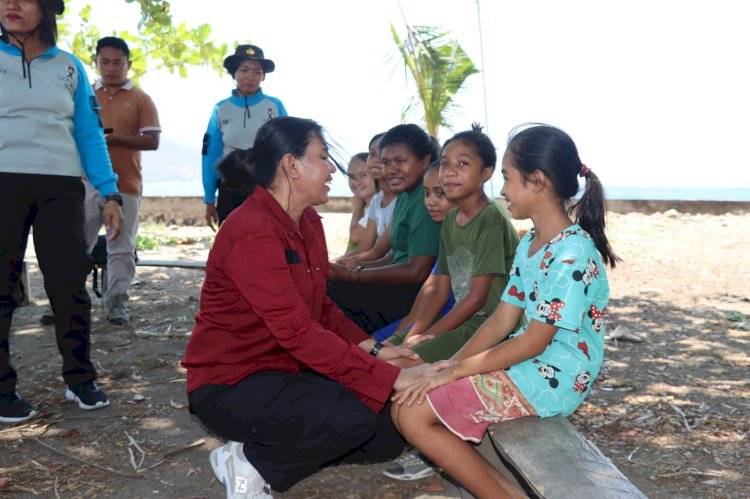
(273,366)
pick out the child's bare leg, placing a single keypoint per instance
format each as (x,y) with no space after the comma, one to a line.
(422,428)
(395,409)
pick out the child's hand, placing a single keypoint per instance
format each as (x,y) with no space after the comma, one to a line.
(427,380)
(415,339)
(358,204)
(388,353)
(338,272)
(407,377)
(439,366)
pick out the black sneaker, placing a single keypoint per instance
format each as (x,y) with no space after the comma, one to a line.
(48,317)
(88,395)
(14,409)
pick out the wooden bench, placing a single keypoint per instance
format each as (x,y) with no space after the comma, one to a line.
(549,459)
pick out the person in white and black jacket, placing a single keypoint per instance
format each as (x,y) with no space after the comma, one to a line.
(50,137)
(233,125)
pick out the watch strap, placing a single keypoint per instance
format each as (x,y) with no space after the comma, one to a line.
(114,196)
(375,350)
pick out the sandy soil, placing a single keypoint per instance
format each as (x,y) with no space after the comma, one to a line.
(671,410)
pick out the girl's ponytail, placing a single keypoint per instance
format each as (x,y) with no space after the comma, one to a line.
(590,212)
(536,146)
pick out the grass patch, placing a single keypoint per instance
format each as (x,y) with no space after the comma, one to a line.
(146,242)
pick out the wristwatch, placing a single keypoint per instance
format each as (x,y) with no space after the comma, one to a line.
(375,350)
(114,196)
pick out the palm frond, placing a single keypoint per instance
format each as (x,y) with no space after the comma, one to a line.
(439,66)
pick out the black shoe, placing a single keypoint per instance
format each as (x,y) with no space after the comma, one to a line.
(14,409)
(48,317)
(88,396)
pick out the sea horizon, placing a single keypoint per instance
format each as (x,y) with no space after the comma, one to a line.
(735,194)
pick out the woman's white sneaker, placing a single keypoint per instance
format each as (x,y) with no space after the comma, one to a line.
(241,480)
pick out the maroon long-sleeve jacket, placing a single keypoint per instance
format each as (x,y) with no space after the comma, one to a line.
(264,306)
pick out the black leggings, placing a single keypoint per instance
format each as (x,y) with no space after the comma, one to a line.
(373,306)
(293,425)
(53,205)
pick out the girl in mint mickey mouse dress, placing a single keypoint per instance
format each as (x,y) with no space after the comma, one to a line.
(558,284)
(562,284)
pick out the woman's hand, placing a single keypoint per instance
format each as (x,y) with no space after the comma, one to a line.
(337,272)
(431,377)
(348,262)
(212,216)
(389,353)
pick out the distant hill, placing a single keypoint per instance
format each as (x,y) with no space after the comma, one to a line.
(172,162)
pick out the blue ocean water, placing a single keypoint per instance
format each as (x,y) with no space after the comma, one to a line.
(189,188)
(680,193)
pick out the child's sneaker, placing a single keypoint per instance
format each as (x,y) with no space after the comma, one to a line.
(88,395)
(14,409)
(410,466)
(240,479)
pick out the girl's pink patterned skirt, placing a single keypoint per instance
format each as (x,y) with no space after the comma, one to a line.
(469,405)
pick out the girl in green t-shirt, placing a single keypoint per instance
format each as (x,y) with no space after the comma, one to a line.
(377,292)
(477,243)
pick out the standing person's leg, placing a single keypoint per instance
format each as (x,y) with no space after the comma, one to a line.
(92,222)
(61,251)
(18,214)
(293,425)
(121,262)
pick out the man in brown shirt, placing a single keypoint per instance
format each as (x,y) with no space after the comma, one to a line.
(131,125)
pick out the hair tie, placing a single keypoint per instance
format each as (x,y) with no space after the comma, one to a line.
(584,171)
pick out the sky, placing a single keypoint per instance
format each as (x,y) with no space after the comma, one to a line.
(654,94)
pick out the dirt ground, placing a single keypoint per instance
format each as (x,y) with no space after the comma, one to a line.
(670,409)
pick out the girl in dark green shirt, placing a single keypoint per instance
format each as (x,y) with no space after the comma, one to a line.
(376,293)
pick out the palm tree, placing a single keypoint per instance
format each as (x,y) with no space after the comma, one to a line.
(439,67)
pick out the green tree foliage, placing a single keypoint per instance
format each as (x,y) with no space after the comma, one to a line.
(439,67)
(156,43)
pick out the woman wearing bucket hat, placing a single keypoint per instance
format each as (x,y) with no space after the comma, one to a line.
(50,136)
(233,125)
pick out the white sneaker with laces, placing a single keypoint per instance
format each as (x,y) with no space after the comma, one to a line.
(410,466)
(240,479)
